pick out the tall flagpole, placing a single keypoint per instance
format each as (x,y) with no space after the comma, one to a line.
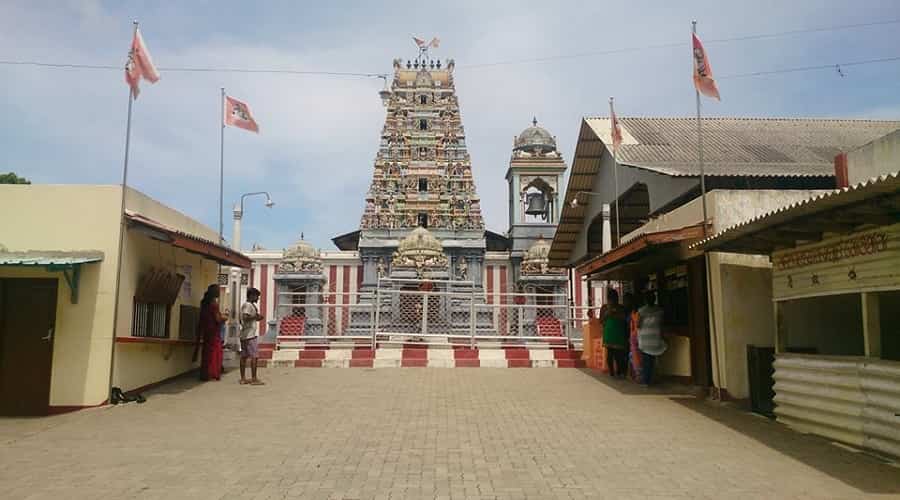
(221,166)
(700,146)
(122,228)
(714,344)
(615,177)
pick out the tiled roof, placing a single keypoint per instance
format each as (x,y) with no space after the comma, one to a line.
(191,242)
(740,146)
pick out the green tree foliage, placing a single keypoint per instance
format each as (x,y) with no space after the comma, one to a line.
(12,178)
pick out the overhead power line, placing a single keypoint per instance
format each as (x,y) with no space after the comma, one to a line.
(194,70)
(834,66)
(667,45)
(594,53)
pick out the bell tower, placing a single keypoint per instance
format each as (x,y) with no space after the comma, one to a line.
(535,177)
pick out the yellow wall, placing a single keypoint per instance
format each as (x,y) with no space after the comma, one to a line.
(140,364)
(677,358)
(86,217)
(48,217)
(874,265)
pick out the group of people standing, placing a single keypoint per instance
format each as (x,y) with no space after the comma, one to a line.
(632,335)
(210,336)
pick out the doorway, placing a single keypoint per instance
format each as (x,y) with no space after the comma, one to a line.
(27,323)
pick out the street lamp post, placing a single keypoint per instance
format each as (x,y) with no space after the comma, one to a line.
(235,285)
(239,214)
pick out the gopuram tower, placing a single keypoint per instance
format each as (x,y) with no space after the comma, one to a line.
(422,179)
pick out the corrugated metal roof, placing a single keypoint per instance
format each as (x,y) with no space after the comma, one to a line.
(45,258)
(740,146)
(782,147)
(886,185)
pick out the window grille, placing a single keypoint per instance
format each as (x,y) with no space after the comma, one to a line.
(150,320)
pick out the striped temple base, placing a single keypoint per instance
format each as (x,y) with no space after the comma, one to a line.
(422,357)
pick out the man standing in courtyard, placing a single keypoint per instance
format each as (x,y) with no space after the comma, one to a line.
(250,319)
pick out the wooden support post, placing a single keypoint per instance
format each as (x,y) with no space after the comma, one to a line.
(871,325)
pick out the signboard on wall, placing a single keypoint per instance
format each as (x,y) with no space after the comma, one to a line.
(866,260)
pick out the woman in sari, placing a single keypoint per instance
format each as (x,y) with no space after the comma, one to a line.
(211,321)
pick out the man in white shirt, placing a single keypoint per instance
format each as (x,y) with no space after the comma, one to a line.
(250,319)
(650,339)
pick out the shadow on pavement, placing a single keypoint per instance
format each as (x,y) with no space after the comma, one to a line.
(857,469)
(182,383)
(629,388)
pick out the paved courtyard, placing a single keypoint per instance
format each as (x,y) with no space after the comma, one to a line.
(422,434)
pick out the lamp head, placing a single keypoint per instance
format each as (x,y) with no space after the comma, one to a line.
(269,203)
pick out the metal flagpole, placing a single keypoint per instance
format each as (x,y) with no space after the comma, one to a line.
(700,145)
(714,344)
(615,177)
(222,168)
(122,228)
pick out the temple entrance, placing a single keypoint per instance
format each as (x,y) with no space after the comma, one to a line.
(27,321)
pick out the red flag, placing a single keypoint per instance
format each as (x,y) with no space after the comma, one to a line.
(140,64)
(615,131)
(237,114)
(703,76)
(421,43)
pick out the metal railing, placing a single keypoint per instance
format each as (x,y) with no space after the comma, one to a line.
(419,312)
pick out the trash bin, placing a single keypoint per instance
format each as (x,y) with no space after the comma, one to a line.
(761,371)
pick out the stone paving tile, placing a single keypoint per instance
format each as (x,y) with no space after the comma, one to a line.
(424,434)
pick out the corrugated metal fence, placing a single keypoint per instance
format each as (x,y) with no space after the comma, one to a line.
(849,399)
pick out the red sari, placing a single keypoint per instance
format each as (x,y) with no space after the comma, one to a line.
(210,326)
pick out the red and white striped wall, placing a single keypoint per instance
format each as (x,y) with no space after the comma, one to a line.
(423,357)
(343,278)
(497,282)
(343,274)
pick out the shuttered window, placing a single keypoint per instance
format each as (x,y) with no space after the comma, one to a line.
(150,320)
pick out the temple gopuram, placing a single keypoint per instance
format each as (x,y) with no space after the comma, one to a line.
(422,220)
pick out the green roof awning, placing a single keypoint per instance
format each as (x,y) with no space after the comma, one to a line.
(53,261)
(31,258)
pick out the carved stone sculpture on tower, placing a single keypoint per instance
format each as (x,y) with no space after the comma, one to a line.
(301,257)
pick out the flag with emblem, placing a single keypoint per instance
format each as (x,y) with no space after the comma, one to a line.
(237,114)
(140,65)
(614,130)
(703,76)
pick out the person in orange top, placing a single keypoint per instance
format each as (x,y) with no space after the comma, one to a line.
(634,354)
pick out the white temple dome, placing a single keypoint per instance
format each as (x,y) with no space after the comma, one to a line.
(420,242)
(301,249)
(535,139)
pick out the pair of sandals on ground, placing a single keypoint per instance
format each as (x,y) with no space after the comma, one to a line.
(252,381)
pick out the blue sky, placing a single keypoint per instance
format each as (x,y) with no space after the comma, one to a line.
(319,135)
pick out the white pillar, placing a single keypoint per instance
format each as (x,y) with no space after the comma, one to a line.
(607,228)
(236,236)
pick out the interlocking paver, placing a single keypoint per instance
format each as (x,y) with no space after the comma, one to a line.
(425,433)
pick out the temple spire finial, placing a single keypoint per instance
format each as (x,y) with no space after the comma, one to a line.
(534,121)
